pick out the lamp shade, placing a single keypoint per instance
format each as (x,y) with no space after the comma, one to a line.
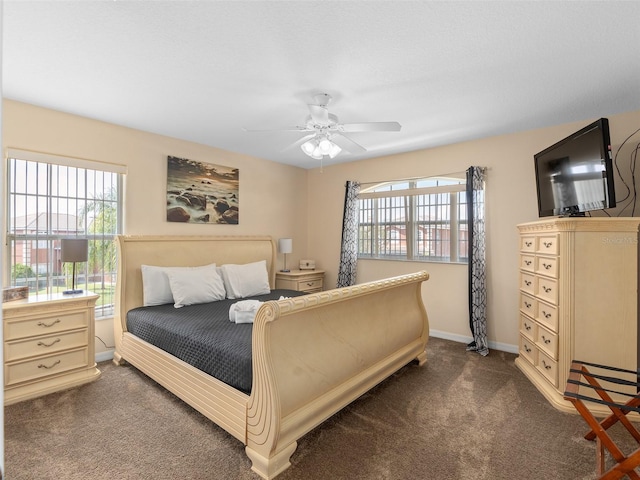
(74,249)
(285,245)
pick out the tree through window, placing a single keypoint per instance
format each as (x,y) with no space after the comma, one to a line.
(50,198)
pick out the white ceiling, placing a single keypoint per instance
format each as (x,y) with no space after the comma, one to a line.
(205,70)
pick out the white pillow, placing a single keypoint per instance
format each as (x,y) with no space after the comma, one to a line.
(191,285)
(241,281)
(155,285)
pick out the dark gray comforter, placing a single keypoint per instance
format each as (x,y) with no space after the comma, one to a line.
(202,336)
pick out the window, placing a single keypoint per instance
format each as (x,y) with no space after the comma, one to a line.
(50,198)
(420,220)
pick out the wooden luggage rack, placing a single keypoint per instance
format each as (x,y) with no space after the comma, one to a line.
(581,377)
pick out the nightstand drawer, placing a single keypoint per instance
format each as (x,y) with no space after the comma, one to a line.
(311,285)
(15,329)
(308,281)
(44,345)
(45,366)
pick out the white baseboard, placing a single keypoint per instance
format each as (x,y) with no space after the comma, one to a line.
(503,347)
(104,356)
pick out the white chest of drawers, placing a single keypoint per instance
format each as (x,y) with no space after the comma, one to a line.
(48,344)
(578,298)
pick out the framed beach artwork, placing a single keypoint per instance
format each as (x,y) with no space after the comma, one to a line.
(199,192)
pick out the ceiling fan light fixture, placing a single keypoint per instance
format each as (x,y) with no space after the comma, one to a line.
(335,150)
(308,147)
(325,146)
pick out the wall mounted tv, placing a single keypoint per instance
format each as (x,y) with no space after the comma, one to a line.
(575,175)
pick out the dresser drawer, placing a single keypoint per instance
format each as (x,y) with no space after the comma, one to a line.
(547,341)
(547,315)
(528,305)
(548,367)
(547,245)
(36,368)
(528,350)
(528,244)
(44,345)
(528,283)
(547,289)
(15,329)
(528,263)
(528,327)
(547,266)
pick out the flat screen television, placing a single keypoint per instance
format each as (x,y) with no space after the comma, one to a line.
(575,175)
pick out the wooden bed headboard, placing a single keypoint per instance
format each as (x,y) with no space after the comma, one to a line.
(182,251)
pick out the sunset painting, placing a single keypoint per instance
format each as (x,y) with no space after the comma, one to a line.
(199,192)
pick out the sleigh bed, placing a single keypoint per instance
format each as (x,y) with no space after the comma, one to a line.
(311,355)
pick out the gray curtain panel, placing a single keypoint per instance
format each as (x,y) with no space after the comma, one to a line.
(349,249)
(477,263)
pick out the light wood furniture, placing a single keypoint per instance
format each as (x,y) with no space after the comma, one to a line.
(48,344)
(301,280)
(312,355)
(578,299)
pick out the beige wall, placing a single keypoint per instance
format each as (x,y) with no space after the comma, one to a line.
(277,200)
(511,199)
(272,195)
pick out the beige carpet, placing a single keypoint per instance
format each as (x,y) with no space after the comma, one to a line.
(461,416)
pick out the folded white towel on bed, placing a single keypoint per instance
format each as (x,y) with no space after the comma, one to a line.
(244,311)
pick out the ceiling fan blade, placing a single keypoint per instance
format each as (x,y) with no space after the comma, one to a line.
(347,144)
(319,114)
(297,128)
(371,127)
(298,142)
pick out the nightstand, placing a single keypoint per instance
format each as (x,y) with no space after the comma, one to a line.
(48,344)
(301,280)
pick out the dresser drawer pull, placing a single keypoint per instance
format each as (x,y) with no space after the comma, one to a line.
(546,340)
(527,349)
(527,304)
(546,367)
(42,365)
(547,244)
(546,315)
(527,283)
(527,262)
(42,344)
(546,289)
(310,284)
(547,266)
(528,244)
(47,325)
(527,327)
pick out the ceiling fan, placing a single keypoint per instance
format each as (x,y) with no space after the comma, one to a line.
(327,136)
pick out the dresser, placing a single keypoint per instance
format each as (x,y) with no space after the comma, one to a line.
(48,344)
(301,280)
(578,299)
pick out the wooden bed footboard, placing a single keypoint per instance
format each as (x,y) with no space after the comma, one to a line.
(312,355)
(315,354)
